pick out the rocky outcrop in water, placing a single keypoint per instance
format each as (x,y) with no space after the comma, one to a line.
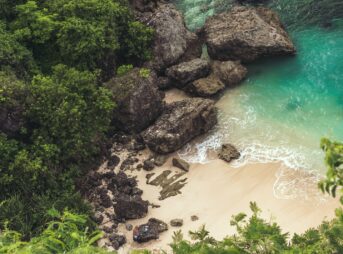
(149,231)
(186,72)
(173,42)
(228,153)
(246,33)
(180,122)
(139,102)
(229,72)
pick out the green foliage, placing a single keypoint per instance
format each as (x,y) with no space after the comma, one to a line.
(68,233)
(70,112)
(144,73)
(87,34)
(13,55)
(334,161)
(123,69)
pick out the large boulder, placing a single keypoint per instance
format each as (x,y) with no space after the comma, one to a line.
(229,72)
(180,122)
(186,72)
(139,102)
(205,87)
(130,207)
(149,231)
(173,42)
(246,33)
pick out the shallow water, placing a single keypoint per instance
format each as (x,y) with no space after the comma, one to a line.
(286,105)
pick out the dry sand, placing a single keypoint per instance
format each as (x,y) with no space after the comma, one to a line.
(216,191)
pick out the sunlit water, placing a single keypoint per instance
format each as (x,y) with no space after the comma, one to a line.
(285,106)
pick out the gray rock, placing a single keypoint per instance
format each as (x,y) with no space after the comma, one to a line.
(205,87)
(117,240)
(181,164)
(173,43)
(113,161)
(229,72)
(139,102)
(159,160)
(149,231)
(194,218)
(246,33)
(186,72)
(148,165)
(128,207)
(180,122)
(98,217)
(228,153)
(128,226)
(176,223)
(164,83)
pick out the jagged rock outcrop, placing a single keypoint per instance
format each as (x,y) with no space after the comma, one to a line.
(180,122)
(228,153)
(173,42)
(139,102)
(246,33)
(149,231)
(186,72)
(229,72)
(205,87)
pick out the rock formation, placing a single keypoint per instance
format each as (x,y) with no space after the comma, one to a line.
(139,102)
(180,122)
(246,33)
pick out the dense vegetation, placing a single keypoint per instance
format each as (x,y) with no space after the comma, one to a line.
(54,112)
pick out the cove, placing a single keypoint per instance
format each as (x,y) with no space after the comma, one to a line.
(286,105)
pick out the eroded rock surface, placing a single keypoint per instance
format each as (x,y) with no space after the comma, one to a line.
(139,102)
(246,33)
(186,72)
(205,87)
(173,42)
(228,153)
(180,122)
(229,72)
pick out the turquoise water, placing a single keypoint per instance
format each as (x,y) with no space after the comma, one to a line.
(286,105)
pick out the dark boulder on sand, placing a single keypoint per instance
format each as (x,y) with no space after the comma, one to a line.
(149,231)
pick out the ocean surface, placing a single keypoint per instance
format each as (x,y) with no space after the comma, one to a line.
(286,105)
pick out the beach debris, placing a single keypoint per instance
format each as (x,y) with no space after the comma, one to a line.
(149,231)
(176,222)
(181,164)
(194,218)
(228,153)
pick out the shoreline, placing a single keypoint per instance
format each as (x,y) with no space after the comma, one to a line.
(215,191)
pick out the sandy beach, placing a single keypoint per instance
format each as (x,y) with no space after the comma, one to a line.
(215,191)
